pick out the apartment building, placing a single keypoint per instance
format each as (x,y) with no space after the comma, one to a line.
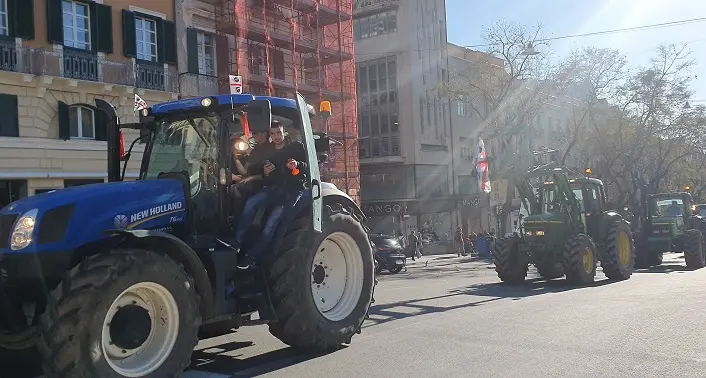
(56,58)
(404,124)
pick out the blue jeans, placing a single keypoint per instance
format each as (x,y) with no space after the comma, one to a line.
(266,197)
(285,204)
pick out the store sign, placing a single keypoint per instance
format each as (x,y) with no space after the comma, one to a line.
(377,209)
(471,202)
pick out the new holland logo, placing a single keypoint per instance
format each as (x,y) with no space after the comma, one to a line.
(120,221)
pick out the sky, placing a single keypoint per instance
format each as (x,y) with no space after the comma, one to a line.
(467,19)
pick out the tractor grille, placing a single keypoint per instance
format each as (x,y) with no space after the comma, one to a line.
(6,223)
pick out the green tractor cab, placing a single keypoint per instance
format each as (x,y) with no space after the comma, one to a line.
(670,223)
(569,229)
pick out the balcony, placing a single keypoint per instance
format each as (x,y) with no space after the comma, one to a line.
(195,85)
(74,64)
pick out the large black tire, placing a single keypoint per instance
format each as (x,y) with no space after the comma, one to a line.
(289,271)
(576,248)
(510,265)
(73,324)
(694,249)
(619,253)
(396,269)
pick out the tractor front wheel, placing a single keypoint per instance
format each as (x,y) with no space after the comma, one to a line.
(509,263)
(322,283)
(619,254)
(126,313)
(580,260)
(694,253)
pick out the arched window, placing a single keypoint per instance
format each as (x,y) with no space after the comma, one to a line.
(82,122)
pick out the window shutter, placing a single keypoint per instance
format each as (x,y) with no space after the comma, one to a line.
(64,121)
(223,63)
(160,40)
(103,19)
(278,64)
(55,23)
(100,120)
(21,14)
(170,45)
(129,34)
(9,122)
(192,51)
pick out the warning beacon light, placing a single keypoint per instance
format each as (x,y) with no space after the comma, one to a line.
(587,171)
(687,188)
(325,109)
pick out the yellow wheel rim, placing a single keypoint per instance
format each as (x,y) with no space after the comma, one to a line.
(623,248)
(588,260)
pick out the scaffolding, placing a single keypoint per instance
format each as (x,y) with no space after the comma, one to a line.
(283,46)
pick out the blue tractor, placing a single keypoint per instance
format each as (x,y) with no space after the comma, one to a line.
(121,279)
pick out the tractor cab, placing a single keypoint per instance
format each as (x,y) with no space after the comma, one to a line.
(668,214)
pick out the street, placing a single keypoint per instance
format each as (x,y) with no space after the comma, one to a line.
(450,317)
(454,319)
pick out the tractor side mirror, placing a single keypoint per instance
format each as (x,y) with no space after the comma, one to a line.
(322,157)
(322,143)
(259,115)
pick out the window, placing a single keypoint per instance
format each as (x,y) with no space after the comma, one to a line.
(146,36)
(462,108)
(82,122)
(77,25)
(207,53)
(375,24)
(11,191)
(378,121)
(4,29)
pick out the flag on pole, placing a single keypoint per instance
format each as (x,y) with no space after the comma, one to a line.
(139,103)
(481,163)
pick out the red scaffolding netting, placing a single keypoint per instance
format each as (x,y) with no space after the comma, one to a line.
(283,46)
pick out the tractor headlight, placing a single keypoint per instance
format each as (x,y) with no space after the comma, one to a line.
(206,102)
(24,227)
(241,145)
(539,233)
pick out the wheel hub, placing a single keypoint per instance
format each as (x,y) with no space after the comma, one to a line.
(319,274)
(130,327)
(623,249)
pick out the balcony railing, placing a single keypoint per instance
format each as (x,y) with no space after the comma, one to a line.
(83,65)
(195,85)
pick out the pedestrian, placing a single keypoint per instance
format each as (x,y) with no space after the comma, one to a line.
(418,249)
(412,241)
(459,242)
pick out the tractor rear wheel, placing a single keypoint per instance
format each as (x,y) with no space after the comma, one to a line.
(126,313)
(694,253)
(322,283)
(580,260)
(509,263)
(619,254)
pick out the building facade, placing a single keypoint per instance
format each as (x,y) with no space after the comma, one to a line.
(404,141)
(56,58)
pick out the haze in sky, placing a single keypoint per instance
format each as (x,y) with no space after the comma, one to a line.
(467,19)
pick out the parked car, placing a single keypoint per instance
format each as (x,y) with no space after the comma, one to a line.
(389,253)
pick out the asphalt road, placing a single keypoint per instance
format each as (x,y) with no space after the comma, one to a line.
(453,319)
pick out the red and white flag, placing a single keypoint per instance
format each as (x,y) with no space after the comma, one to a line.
(139,103)
(481,163)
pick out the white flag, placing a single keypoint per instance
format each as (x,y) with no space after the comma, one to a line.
(481,163)
(139,103)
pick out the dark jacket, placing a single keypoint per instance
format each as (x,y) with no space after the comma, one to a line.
(282,175)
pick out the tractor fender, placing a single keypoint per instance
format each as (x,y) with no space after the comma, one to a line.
(175,248)
(697,222)
(331,194)
(608,217)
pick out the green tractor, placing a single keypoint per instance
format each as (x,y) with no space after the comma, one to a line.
(568,230)
(669,223)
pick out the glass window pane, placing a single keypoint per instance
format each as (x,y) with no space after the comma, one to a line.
(68,36)
(73,122)
(87,123)
(67,6)
(81,9)
(153,37)
(68,20)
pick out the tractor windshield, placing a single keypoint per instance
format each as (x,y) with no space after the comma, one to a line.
(187,144)
(667,207)
(554,202)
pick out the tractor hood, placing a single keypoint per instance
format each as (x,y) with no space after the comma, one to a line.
(537,219)
(82,214)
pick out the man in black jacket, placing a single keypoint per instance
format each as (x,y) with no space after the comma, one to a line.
(284,179)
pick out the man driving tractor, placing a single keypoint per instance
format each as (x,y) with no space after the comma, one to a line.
(282,170)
